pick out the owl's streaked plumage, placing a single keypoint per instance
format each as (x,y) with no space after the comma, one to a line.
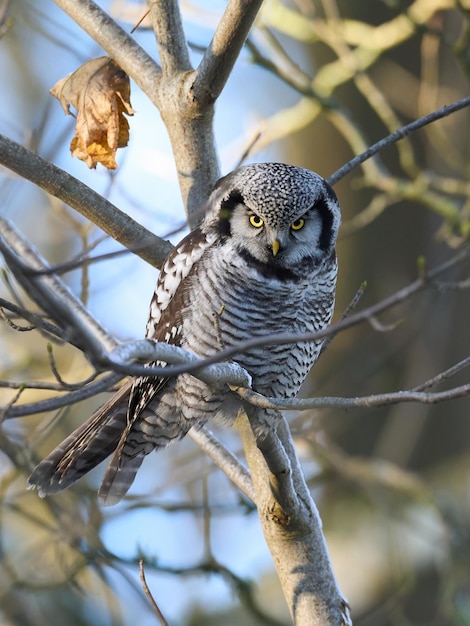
(262,262)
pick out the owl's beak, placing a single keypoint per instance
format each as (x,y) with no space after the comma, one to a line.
(275,246)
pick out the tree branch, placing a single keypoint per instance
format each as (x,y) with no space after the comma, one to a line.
(224,459)
(168,28)
(80,329)
(402,132)
(87,202)
(293,530)
(116,42)
(219,58)
(426,279)
(381,399)
(53,296)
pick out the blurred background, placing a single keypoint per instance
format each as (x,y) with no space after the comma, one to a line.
(317,83)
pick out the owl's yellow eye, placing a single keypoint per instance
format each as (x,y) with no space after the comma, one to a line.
(256,221)
(298,224)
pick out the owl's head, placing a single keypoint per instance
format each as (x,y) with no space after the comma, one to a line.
(275,214)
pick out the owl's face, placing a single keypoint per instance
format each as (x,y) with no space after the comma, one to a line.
(276,215)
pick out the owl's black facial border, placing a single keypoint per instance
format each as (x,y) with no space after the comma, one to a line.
(227,207)
(326,235)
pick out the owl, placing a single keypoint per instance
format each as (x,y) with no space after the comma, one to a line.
(263,261)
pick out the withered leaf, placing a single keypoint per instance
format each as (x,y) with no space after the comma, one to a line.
(100,92)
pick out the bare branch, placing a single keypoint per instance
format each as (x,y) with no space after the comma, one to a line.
(224,459)
(168,27)
(80,197)
(149,595)
(451,371)
(425,280)
(36,321)
(5,409)
(58,402)
(49,386)
(57,299)
(219,58)
(53,296)
(119,358)
(383,399)
(293,530)
(396,136)
(346,313)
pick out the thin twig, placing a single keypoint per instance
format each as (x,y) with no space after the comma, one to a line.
(4,410)
(58,402)
(443,375)
(47,386)
(149,595)
(11,323)
(396,136)
(37,321)
(346,313)
(383,399)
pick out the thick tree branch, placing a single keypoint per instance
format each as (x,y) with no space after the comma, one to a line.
(219,58)
(80,197)
(189,124)
(168,28)
(293,530)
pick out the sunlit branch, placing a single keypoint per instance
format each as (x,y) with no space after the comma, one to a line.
(426,280)
(220,56)
(168,28)
(80,197)
(288,515)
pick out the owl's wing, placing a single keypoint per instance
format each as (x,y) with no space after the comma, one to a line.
(165,324)
(107,429)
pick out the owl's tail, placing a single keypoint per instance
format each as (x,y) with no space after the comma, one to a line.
(85,448)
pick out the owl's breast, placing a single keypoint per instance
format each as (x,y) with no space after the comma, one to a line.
(230,303)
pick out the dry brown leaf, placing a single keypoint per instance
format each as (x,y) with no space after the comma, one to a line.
(100,92)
